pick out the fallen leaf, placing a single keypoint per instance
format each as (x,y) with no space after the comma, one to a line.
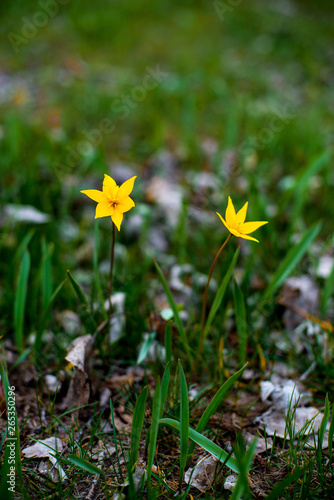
(275,421)
(203,474)
(78,391)
(43,447)
(230,482)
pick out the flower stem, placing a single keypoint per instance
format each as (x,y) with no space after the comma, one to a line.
(111,267)
(205,295)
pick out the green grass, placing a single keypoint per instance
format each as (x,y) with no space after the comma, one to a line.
(243,94)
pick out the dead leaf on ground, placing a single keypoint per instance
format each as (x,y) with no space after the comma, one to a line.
(78,391)
(131,375)
(122,420)
(274,421)
(46,448)
(203,474)
(262,444)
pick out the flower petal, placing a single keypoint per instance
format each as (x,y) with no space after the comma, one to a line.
(117,218)
(125,205)
(110,187)
(241,215)
(240,235)
(249,227)
(103,209)
(243,236)
(95,195)
(230,214)
(125,189)
(221,218)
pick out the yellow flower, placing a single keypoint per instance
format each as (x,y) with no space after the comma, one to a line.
(113,200)
(235,222)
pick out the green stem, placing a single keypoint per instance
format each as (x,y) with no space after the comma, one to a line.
(205,295)
(112,255)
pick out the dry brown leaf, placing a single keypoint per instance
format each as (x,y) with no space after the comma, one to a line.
(202,475)
(123,421)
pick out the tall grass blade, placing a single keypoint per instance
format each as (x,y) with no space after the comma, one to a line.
(174,309)
(241,323)
(83,300)
(168,343)
(164,388)
(96,271)
(46,274)
(184,423)
(220,294)
(137,425)
(331,432)
(244,460)
(291,260)
(214,404)
(23,246)
(20,299)
(156,410)
(13,436)
(205,443)
(39,333)
(321,431)
(115,438)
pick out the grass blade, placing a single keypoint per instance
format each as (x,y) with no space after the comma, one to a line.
(97,281)
(184,423)
(168,343)
(39,334)
(277,491)
(291,260)
(85,465)
(13,436)
(20,299)
(328,291)
(23,246)
(156,410)
(321,432)
(220,294)
(244,460)
(83,300)
(174,309)
(148,342)
(164,388)
(46,274)
(241,323)
(137,425)
(214,404)
(115,438)
(331,432)
(205,443)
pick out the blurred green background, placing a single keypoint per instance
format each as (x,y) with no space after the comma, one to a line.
(216,98)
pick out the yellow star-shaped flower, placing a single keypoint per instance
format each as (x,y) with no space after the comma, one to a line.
(235,222)
(113,200)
